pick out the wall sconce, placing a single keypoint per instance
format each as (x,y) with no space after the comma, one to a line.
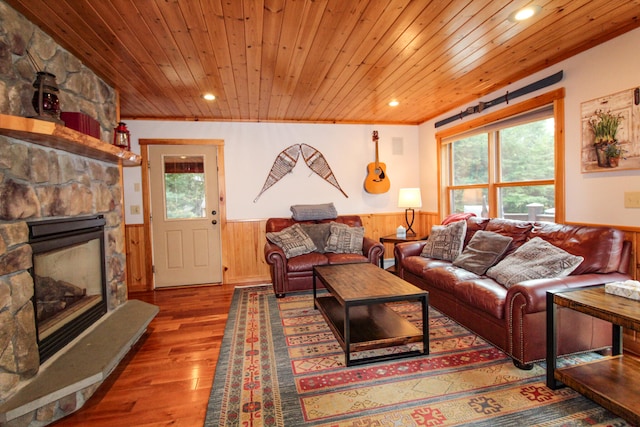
(409,198)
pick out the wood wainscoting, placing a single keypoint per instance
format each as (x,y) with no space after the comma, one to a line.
(243,245)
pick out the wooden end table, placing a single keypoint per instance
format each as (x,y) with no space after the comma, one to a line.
(393,238)
(613,381)
(356,312)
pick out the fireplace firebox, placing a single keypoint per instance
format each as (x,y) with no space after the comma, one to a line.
(69,277)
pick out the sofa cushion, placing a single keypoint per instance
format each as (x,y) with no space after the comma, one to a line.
(601,247)
(314,212)
(446,276)
(344,239)
(536,259)
(484,294)
(319,233)
(484,250)
(474,224)
(517,230)
(306,262)
(445,241)
(292,240)
(345,258)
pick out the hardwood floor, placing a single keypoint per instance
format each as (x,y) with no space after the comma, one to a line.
(166,378)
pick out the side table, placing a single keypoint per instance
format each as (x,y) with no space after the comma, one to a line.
(613,381)
(392,238)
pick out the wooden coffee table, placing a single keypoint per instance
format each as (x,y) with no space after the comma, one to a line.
(355,310)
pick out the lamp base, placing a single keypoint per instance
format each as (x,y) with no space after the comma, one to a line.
(410,231)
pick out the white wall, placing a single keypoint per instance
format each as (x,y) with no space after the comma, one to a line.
(251,148)
(595,198)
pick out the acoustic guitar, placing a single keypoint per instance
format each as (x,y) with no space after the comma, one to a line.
(377,181)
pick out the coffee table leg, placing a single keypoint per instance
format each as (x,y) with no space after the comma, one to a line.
(425,324)
(347,336)
(314,290)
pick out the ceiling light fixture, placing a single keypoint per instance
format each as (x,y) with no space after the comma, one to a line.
(524,13)
(394,103)
(209,96)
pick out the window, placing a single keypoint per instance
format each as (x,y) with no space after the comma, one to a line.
(184,186)
(504,168)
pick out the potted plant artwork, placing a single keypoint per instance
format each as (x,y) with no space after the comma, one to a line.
(604,126)
(614,152)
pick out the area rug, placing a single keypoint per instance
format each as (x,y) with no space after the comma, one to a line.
(280,365)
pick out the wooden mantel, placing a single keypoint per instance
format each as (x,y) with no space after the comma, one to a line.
(54,135)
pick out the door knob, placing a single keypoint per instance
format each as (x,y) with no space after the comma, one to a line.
(214,222)
(213,212)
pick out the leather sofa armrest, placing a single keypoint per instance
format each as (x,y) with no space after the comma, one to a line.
(373,250)
(625,259)
(404,250)
(276,259)
(273,254)
(530,296)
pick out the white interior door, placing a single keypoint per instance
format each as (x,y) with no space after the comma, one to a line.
(184,215)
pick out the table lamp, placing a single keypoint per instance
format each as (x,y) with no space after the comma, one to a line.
(409,198)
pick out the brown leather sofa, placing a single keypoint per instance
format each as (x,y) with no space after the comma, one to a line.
(296,273)
(514,319)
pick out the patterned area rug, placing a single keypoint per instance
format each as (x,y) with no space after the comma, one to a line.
(281,366)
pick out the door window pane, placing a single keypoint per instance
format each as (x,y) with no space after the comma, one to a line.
(184,186)
(527,151)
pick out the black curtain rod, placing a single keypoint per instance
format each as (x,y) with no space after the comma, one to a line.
(547,81)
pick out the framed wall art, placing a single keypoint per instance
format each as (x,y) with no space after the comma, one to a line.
(611,132)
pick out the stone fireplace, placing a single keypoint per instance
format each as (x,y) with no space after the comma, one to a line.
(54,174)
(37,183)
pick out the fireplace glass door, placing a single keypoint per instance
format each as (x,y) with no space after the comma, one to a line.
(69,279)
(67,283)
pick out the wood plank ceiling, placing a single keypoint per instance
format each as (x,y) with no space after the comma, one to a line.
(319,60)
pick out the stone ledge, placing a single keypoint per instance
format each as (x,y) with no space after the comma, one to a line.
(87,361)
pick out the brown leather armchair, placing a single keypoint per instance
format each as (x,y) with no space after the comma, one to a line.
(296,273)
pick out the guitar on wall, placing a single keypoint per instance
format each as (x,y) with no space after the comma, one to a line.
(377,181)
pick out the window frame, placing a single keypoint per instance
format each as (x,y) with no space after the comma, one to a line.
(555,99)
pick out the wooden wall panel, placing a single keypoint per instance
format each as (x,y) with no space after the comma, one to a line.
(136,258)
(243,252)
(243,245)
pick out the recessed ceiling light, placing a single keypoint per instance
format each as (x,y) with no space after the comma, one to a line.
(394,103)
(524,13)
(209,96)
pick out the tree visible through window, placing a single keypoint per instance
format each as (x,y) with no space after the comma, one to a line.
(504,171)
(184,186)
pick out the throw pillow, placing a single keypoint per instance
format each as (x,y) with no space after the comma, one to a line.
(445,241)
(314,212)
(292,240)
(484,249)
(536,259)
(344,239)
(319,233)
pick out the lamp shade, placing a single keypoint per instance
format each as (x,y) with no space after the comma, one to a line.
(409,198)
